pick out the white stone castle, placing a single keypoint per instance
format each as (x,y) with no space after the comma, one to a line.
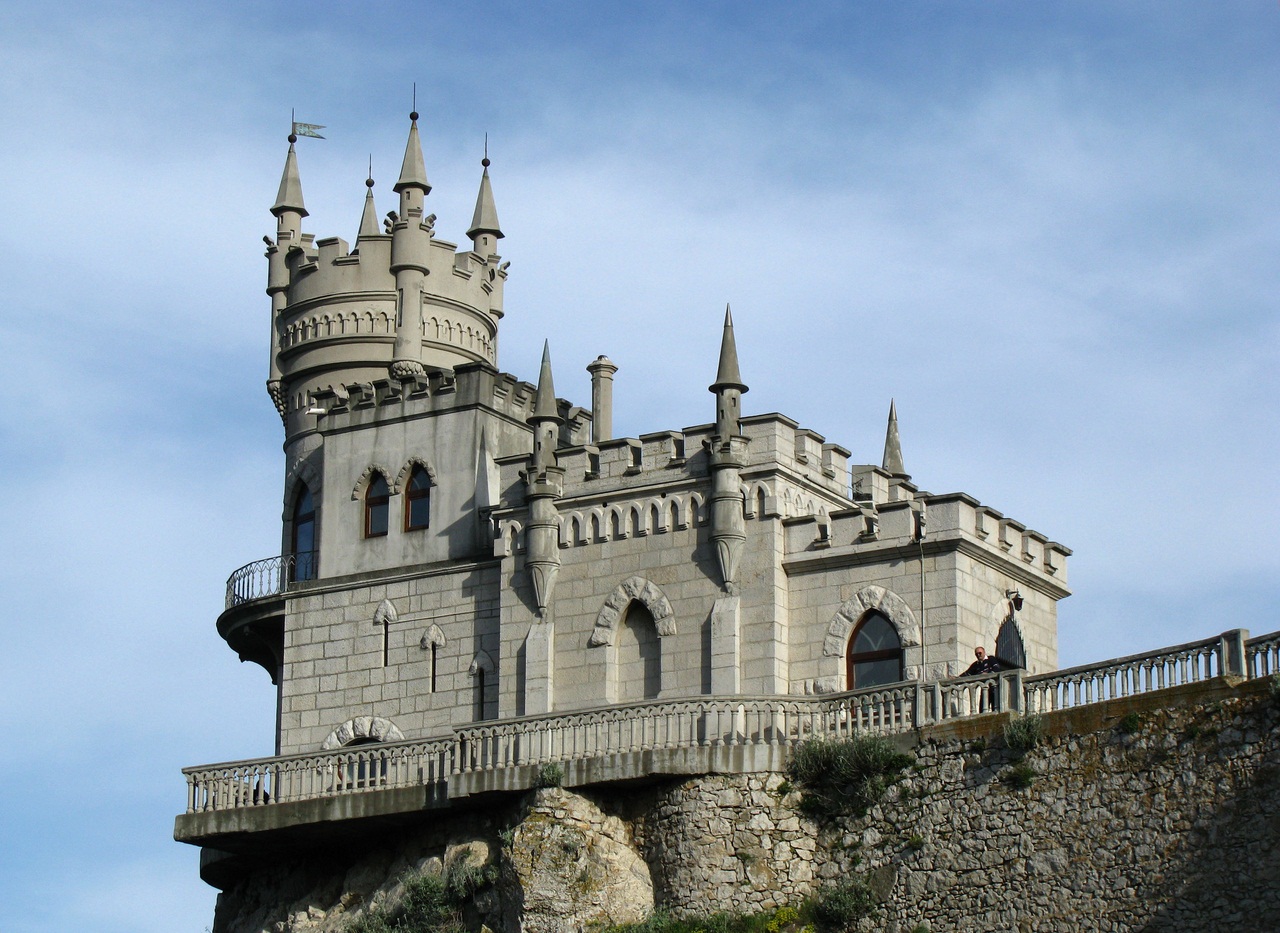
(459,545)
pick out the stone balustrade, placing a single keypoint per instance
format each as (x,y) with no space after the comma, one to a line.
(710,723)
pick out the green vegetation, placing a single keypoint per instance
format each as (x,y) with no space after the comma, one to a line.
(842,777)
(916,842)
(783,919)
(549,775)
(837,907)
(431,903)
(1024,733)
(1020,776)
(833,909)
(1129,723)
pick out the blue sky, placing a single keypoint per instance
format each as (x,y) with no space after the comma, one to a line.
(1049,230)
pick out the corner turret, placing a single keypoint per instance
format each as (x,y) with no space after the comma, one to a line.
(410,246)
(892,461)
(728,449)
(289,208)
(544,484)
(485,231)
(369,217)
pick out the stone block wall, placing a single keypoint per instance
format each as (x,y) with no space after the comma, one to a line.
(334,663)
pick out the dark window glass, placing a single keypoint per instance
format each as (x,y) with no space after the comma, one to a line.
(417,502)
(1009,650)
(304,537)
(375,507)
(875,654)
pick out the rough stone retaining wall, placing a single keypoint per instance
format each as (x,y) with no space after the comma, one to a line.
(1173,826)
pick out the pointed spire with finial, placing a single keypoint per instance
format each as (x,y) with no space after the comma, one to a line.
(892,462)
(289,198)
(727,374)
(413,173)
(485,218)
(369,219)
(544,404)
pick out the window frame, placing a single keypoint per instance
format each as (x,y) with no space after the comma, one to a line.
(378,501)
(412,495)
(851,660)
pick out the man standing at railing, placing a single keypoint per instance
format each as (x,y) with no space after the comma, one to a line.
(984,664)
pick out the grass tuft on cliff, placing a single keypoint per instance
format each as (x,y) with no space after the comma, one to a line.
(845,777)
(431,903)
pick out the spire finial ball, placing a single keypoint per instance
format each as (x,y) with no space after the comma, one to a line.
(413,115)
(292,139)
(368,182)
(485,161)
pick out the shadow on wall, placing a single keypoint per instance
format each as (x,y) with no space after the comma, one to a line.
(1229,866)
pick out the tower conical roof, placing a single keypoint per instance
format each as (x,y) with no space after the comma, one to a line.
(368,219)
(485,219)
(727,375)
(413,173)
(289,198)
(544,404)
(892,461)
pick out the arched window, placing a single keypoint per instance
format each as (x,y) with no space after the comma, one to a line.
(303,543)
(875,653)
(1009,650)
(639,655)
(375,507)
(417,499)
(364,766)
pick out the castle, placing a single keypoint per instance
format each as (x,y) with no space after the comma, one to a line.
(480,591)
(459,545)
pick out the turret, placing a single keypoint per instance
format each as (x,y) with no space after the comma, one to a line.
(727,457)
(892,461)
(289,210)
(485,231)
(544,484)
(410,248)
(369,217)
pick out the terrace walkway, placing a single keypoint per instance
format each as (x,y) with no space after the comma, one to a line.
(228,804)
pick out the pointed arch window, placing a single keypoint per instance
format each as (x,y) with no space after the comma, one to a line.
(303,536)
(874,656)
(1009,650)
(376,506)
(417,499)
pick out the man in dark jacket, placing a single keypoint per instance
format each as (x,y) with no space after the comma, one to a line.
(984,664)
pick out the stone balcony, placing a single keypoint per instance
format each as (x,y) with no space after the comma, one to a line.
(251,805)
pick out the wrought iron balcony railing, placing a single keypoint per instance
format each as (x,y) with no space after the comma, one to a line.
(270,576)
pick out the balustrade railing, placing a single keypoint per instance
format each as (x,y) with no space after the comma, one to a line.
(713,722)
(1139,673)
(270,576)
(1262,656)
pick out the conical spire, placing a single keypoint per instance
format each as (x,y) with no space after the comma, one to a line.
(544,404)
(412,172)
(727,375)
(289,197)
(892,462)
(369,219)
(485,219)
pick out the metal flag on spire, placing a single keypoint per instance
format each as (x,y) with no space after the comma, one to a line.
(305,129)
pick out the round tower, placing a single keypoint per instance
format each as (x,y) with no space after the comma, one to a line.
(399,306)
